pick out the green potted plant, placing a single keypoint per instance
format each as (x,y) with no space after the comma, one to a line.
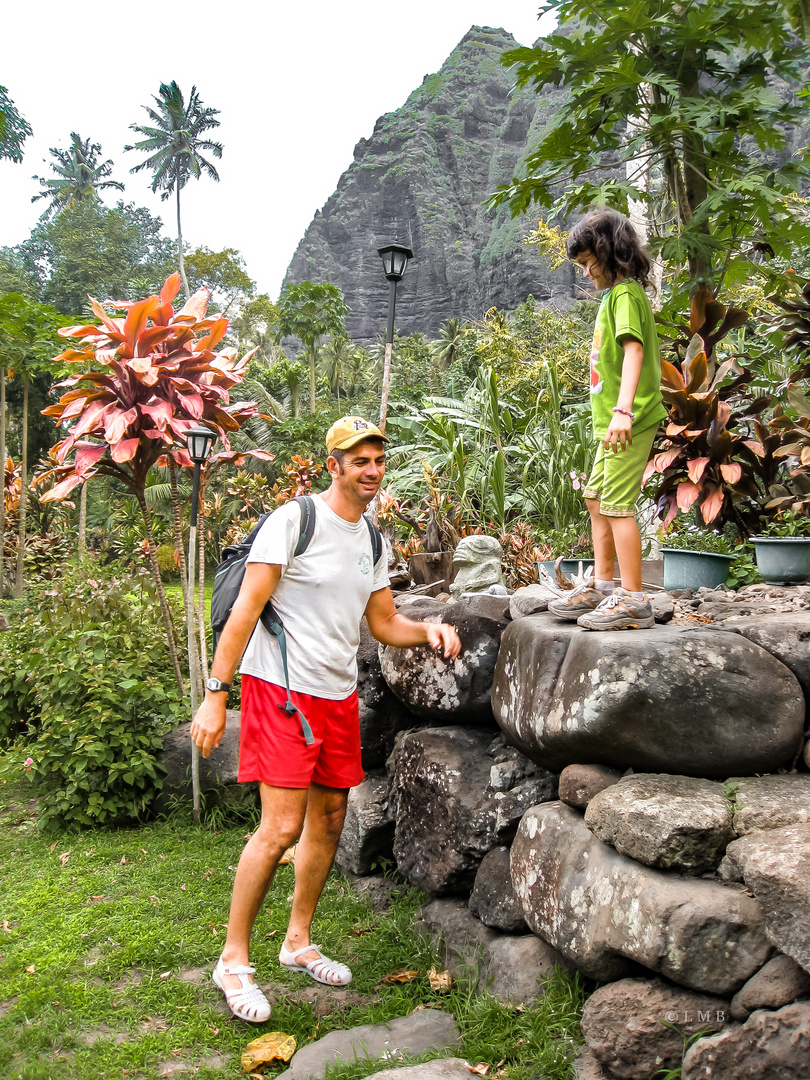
(783,550)
(695,558)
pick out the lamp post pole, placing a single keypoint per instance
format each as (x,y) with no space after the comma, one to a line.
(395,259)
(199,441)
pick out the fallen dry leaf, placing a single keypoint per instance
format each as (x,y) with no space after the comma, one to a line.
(6,927)
(481,1069)
(358,931)
(165,975)
(53,845)
(288,856)
(30,969)
(63,858)
(275,1045)
(401,976)
(124,861)
(441,982)
(182,888)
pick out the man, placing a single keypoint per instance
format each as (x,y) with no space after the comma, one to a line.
(320,597)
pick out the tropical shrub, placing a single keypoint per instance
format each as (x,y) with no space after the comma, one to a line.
(715,453)
(159,377)
(84,673)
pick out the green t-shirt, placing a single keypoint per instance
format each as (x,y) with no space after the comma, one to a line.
(625,309)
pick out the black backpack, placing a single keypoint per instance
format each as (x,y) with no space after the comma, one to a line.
(228,581)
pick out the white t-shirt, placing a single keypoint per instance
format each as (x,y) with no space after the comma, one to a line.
(320,599)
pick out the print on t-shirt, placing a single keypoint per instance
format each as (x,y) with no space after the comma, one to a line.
(596,381)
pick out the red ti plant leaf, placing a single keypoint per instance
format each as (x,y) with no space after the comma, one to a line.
(696,468)
(124,451)
(87,454)
(171,287)
(711,506)
(731,471)
(686,494)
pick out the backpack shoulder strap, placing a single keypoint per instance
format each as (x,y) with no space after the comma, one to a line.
(307,506)
(376,539)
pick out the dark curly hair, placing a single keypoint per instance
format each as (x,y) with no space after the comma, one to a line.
(614,243)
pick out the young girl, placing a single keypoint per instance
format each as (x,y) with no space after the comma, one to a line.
(627,408)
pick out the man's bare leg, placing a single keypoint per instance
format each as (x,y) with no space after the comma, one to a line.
(326,811)
(283,811)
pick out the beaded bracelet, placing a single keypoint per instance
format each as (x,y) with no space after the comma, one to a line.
(624,412)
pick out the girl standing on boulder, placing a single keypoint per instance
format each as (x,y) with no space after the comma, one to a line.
(627,408)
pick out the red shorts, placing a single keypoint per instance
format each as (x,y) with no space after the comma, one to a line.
(272,747)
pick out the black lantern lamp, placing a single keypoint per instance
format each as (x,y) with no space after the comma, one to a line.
(199,441)
(395,259)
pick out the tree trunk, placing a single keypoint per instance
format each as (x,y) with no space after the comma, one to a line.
(164,606)
(201,598)
(180,260)
(694,162)
(83,522)
(312,378)
(2,477)
(19,583)
(178,530)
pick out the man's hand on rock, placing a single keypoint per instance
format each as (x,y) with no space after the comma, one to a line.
(443,636)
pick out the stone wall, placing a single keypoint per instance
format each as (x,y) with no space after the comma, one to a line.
(631,805)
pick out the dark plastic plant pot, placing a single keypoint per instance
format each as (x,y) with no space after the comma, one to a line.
(694,569)
(783,560)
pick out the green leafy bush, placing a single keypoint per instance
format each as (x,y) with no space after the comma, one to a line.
(91,677)
(167,561)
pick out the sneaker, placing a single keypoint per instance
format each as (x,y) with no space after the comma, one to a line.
(619,611)
(579,601)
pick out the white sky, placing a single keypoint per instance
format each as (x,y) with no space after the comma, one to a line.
(297,85)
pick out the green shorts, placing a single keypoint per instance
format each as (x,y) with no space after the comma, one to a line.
(615,478)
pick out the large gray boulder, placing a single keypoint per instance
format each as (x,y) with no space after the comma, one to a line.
(368,832)
(636,1027)
(607,913)
(769,802)
(449,691)
(775,866)
(769,1046)
(691,702)
(455,794)
(677,823)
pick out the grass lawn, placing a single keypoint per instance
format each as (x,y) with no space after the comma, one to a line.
(109,937)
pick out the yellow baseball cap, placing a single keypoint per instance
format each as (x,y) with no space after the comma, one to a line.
(349,431)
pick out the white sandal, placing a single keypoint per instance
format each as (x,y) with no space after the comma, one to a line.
(322,969)
(246,1001)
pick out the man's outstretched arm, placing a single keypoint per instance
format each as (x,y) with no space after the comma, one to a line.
(391,628)
(258,585)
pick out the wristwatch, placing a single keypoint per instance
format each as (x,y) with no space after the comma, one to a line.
(216,685)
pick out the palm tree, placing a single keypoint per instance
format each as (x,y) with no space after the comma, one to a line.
(175,148)
(79,176)
(334,359)
(309,311)
(450,338)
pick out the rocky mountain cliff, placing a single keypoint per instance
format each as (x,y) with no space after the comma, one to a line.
(421,180)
